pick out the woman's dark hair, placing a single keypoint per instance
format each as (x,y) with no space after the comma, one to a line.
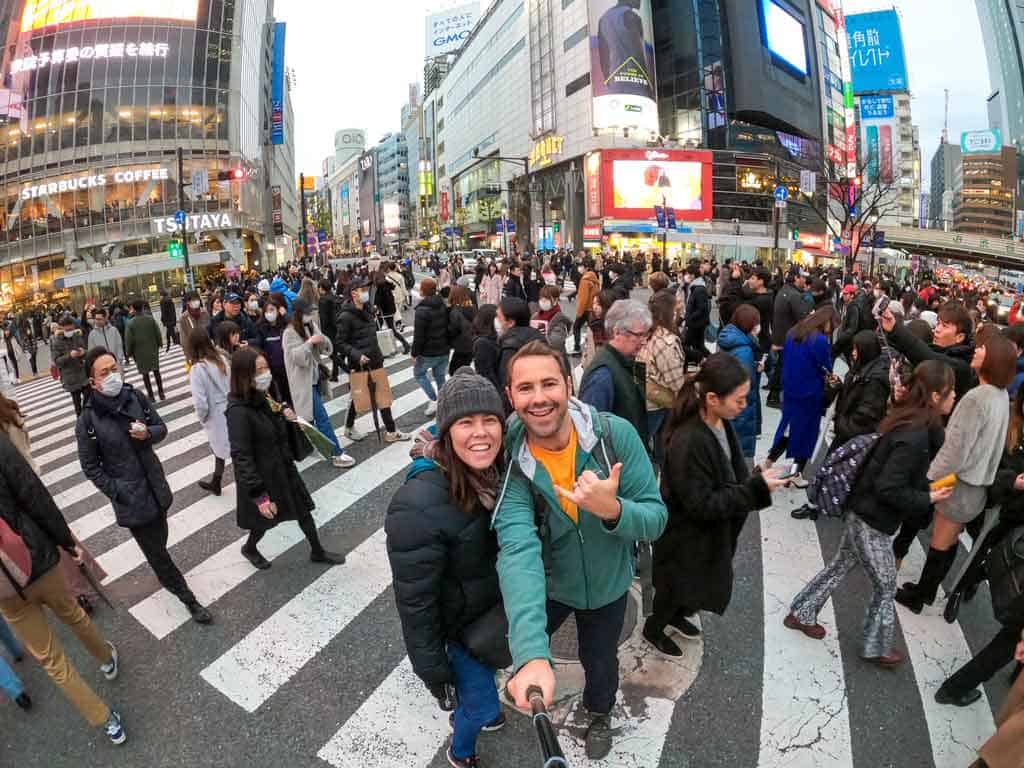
(552,294)
(483,323)
(663,310)
(1000,366)
(745,317)
(460,487)
(296,321)
(515,309)
(225,331)
(243,368)
(658,281)
(868,347)
(92,356)
(720,374)
(10,414)
(820,321)
(916,408)
(606,299)
(1015,433)
(203,349)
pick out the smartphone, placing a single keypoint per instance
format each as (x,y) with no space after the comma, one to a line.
(880,306)
(138,427)
(791,471)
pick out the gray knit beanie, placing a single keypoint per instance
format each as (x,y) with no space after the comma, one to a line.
(465,394)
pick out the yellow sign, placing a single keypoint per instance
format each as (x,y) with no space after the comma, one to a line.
(308,183)
(43,13)
(544,149)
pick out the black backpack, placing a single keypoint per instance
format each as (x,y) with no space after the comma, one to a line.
(1006,578)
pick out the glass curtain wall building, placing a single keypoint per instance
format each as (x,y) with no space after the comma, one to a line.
(93,108)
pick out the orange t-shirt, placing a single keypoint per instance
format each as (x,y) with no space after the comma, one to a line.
(561,466)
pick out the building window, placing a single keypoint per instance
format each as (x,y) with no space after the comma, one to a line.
(578,84)
(566,4)
(542,66)
(575,38)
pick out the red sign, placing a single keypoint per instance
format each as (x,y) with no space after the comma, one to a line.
(818,242)
(593,171)
(444,206)
(836,155)
(593,232)
(633,181)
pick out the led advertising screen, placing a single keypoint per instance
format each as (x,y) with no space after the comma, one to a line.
(43,13)
(784,36)
(878,144)
(877,59)
(637,180)
(622,65)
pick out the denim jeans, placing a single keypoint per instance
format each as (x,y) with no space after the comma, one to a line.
(437,364)
(478,700)
(10,683)
(323,422)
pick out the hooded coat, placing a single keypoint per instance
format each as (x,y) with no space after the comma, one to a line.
(357,336)
(864,399)
(746,349)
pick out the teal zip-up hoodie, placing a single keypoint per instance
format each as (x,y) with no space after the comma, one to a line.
(592,563)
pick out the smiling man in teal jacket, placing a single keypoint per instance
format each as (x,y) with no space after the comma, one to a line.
(580,489)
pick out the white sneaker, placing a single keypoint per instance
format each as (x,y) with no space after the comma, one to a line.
(111,669)
(353,434)
(396,437)
(343,462)
(431,408)
(798,481)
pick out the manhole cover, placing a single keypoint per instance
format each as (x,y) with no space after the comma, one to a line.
(564,644)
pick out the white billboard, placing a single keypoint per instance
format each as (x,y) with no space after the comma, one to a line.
(448,30)
(622,65)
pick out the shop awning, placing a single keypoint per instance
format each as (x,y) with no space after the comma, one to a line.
(133,267)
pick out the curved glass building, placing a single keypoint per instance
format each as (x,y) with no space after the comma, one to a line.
(97,98)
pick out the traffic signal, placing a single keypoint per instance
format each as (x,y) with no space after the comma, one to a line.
(174,249)
(235,174)
(796,233)
(558,226)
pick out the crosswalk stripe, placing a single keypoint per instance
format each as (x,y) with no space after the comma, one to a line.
(398,726)
(270,655)
(161,613)
(937,649)
(804,722)
(639,738)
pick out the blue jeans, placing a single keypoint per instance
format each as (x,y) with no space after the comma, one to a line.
(323,421)
(655,421)
(478,700)
(10,683)
(437,364)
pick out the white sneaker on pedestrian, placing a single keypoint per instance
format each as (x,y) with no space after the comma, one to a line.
(354,434)
(115,729)
(798,481)
(343,462)
(111,668)
(396,437)
(431,408)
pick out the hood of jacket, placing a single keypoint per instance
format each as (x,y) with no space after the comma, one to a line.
(519,335)
(732,338)
(963,351)
(280,286)
(431,302)
(874,370)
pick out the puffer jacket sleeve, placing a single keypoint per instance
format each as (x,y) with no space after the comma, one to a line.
(417,551)
(32,496)
(900,473)
(157,428)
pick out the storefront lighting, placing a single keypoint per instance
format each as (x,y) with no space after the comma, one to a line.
(751,180)
(14,132)
(71,120)
(125,113)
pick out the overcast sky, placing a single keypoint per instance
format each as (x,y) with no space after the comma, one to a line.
(354,61)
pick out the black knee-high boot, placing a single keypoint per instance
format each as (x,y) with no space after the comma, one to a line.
(214,483)
(317,553)
(916,596)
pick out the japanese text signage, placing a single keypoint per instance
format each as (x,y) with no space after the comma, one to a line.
(876,108)
(877,58)
(981,142)
(76,53)
(448,30)
(277,86)
(545,149)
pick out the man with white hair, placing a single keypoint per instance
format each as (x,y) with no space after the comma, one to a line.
(612,383)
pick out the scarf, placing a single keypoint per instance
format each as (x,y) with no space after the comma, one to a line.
(547,316)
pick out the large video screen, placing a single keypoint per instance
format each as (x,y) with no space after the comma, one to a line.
(43,13)
(784,36)
(637,180)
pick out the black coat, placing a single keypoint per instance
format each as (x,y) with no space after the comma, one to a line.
(621,287)
(28,508)
(125,470)
(384,297)
(863,402)
(430,328)
(764,303)
(790,308)
(249,332)
(357,336)
(443,564)
(329,307)
(1002,491)
(856,318)
(893,486)
(511,341)
(264,464)
(698,307)
(958,357)
(706,512)
(486,354)
(168,315)
(460,331)
(731,297)
(514,287)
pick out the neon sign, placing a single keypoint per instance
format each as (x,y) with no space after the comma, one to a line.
(86,52)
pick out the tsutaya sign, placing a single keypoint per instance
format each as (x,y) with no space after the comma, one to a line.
(93,181)
(70,55)
(197,222)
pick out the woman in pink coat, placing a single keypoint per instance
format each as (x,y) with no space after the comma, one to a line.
(490,286)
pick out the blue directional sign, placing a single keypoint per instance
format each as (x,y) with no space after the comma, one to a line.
(782,193)
(179,218)
(659,214)
(879,239)
(671,217)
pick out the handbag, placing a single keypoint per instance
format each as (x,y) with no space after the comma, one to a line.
(54,372)
(1006,578)
(361,399)
(659,394)
(298,445)
(486,638)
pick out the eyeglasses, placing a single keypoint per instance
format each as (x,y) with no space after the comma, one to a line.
(638,334)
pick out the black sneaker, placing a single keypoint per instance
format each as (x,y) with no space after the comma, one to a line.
(806,512)
(199,614)
(599,737)
(24,701)
(686,627)
(661,641)
(466,762)
(327,558)
(965,699)
(254,557)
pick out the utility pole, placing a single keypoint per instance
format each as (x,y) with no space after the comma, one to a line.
(190,281)
(303,238)
(664,232)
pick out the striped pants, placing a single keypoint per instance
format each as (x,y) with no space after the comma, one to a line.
(871,549)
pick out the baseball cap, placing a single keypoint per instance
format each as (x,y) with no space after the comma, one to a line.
(233,298)
(848,289)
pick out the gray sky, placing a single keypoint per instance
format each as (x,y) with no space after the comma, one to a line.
(354,62)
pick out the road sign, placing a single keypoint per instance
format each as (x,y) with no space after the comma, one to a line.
(201,181)
(781,194)
(879,239)
(179,218)
(808,182)
(659,214)
(780,204)
(671,217)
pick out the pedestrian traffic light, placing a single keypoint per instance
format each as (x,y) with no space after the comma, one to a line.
(796,233)
(558,227)
(174,248)
(235,174)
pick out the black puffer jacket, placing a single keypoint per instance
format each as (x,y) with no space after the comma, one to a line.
(384,295)
(893,486)
(28,508)
(857,317)
(443,564)
(329,307)
(127,471)
(357,336)
(430,335)
(790,308)
(863,402)
(958,357)
(511,341)
(1002,491)
(460,331)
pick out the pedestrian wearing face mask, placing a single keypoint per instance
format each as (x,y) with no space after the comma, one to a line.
(550,321)
(14,351)
(269,487)
(168,318)
(105,335)
(489,287)
(116,436)
(210,383)
(68,351)
(269,338)
(193,317)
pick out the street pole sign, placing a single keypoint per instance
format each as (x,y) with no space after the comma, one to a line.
(781,194)
(200,182)
(180,218)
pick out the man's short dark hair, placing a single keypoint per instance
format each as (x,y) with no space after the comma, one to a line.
(538,348)
(138,305)
(515,309)
(99,311)
(954,313)
(1015,333)
(93,355)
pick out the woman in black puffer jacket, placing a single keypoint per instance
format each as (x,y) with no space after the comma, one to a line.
(443,553)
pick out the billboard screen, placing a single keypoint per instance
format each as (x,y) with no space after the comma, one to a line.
(622,65)
(368,195)
(878,144)
(981,142)
(43,13)
(448,30)
(784,36)
(277,86)
(877,58)
(637,180)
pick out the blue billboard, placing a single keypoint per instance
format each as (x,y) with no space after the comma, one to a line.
(877,58)
(277,86)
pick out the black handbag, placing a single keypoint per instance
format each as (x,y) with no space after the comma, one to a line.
(486,638)
(1006,578)
(298,444)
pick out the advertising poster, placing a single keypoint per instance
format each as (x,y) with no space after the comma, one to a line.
(448,30)
(878,145)
(877,58)
(637,180)
(988,142)
(593,170)
(277,86)
(622,65)
(43,13)
(368,195)
(344,195)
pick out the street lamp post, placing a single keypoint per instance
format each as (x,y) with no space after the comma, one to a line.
(504,229)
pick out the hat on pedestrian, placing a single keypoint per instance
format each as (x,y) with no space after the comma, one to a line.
(357,283)
(465,394)
(263,286)
(930,317)
(849,289)
(233,298)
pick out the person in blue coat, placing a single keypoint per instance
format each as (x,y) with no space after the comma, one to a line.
(280,286)
(739,339)
(808,356)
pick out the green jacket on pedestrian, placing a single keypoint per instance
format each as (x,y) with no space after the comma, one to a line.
(142,342)
(591,562)
(73,376)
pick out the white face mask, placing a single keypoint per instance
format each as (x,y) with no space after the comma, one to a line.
(262,381)
(545,304)
(112,385)
(364,297)
(271,315)
(68,334)
(194,305)
(498,327)
(254,305)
